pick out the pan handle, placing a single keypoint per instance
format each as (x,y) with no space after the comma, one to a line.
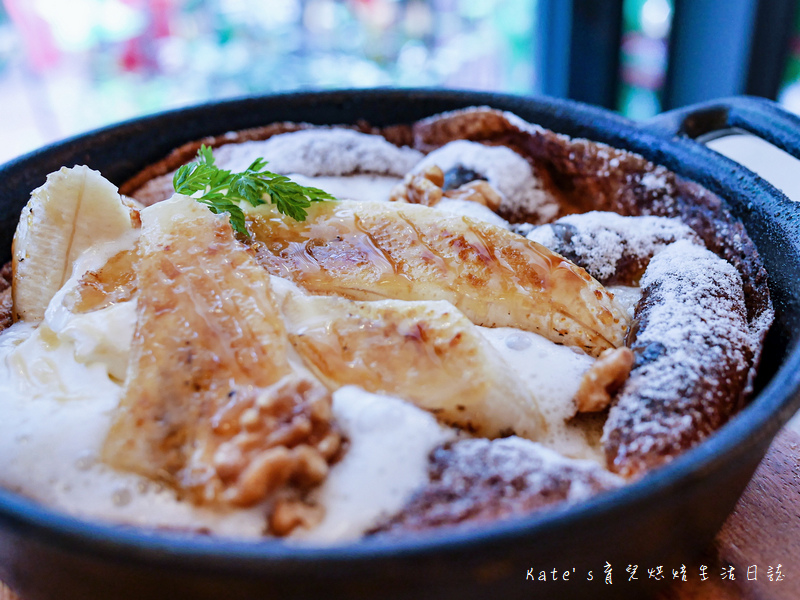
(761,117)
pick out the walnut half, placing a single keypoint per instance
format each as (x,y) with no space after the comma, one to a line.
(603,379)
(427,188)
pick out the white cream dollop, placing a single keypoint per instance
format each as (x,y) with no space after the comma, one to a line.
(386,461)
(553,375)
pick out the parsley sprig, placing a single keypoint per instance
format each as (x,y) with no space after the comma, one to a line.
(221,190)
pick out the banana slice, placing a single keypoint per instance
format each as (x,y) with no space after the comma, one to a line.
(75,209)
(427,353)
(376,250)
(212,403)
(113,282)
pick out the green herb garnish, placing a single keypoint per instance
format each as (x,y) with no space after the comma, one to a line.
(221,190)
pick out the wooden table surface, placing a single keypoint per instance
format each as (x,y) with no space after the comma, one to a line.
(764,530)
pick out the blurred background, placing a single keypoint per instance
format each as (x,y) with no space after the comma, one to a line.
(67,66)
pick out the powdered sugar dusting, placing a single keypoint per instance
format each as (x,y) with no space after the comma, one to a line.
(514,458)
(322,151)
(692,353)
(601,242)
(477,480)
(654,181)
(362,187)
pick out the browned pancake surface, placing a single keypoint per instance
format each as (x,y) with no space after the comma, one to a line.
(480,481)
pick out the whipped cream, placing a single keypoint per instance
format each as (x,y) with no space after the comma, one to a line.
(386,462)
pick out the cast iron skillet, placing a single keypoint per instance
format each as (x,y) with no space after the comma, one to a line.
(663,519)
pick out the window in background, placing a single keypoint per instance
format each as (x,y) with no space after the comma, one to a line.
(789,94)
(643,56)
(66,67)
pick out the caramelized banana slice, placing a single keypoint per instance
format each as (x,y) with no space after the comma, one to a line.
(212,404)
(75,209)
(418,351)
(114,282)
(372,250)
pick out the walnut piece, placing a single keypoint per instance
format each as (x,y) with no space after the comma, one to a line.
(290,513)
(426,188)
(273,438)
(420,188)
(477,191)
(6,306)
(603,379)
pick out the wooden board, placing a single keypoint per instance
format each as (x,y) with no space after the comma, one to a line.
(764,530)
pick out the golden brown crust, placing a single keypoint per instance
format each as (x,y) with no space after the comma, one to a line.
(467,487)
(479,125)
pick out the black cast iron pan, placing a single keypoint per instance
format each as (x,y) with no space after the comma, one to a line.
(664,519)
